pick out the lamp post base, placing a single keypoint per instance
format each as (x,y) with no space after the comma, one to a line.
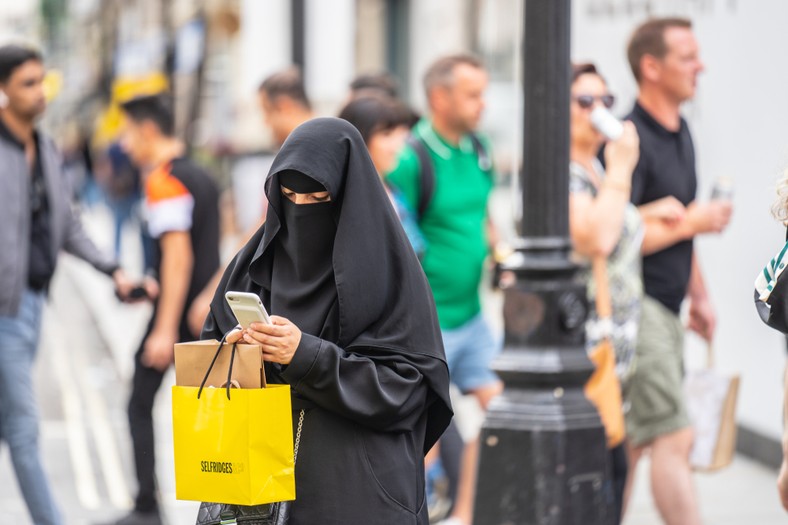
(543,452)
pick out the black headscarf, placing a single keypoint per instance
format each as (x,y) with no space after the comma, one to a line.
(383,304)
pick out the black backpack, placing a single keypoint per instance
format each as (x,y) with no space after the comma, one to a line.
(427,171)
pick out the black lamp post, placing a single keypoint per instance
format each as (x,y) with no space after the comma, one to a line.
(298,33)
(542,457)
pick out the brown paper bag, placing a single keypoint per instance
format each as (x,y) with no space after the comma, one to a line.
(193,359)
(711,403)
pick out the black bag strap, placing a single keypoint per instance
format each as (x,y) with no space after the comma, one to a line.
(213,361)
(485,162)
(426,175)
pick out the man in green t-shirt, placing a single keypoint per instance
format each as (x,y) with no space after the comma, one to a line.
(454,224)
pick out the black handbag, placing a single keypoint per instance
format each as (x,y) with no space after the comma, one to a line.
(223,513)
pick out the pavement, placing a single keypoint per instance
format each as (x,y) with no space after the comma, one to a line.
(83,371)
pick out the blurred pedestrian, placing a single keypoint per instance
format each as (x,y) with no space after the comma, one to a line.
(284,103)
(123,188)
(183,219)
(605,226)
(383,124)
(770,302)
(663,55)
(37,222)
(374,84)
(454,222)
(354,331)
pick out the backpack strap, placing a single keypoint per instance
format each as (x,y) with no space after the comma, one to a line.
(485,162)
(427,171)
(426,175)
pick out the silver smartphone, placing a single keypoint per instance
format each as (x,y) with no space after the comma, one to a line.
(247,307)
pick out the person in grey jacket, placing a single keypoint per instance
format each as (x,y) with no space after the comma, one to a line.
(36,223)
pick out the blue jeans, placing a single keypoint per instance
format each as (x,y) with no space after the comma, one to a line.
(18,411)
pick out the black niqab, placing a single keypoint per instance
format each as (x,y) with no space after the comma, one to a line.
(302,273)
(383,304)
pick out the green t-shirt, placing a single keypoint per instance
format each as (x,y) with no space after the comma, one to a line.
(453,224)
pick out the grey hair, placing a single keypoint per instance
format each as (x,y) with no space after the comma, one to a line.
(441,72)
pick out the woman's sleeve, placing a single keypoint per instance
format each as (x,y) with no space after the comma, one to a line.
(386,392)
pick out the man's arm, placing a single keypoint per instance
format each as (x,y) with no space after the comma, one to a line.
(708,217)
(77,243)
(175,273)
(782,479)
(702,318)
(201,305)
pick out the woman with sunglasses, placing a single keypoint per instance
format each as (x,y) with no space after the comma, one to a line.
(604,224)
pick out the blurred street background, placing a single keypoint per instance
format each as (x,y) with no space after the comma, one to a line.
(213,55)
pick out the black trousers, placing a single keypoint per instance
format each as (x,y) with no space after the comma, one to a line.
(145,384)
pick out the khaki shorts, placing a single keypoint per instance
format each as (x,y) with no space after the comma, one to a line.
(654,394)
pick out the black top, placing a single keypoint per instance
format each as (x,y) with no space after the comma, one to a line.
(370,366)
(666,167)
(41,264)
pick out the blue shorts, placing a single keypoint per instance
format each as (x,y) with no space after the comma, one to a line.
(470,349)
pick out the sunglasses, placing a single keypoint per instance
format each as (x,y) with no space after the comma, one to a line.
(587,101)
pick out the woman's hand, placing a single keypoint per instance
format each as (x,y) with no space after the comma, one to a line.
(621,155)
(234,336)
(279,340)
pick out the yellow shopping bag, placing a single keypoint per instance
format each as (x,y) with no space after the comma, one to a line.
(233,446)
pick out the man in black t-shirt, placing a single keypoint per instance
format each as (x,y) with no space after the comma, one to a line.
(183,219)
(663,55)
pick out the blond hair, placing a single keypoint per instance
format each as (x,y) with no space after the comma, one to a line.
(780,206)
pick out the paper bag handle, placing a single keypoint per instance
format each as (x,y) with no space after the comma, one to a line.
(229,369)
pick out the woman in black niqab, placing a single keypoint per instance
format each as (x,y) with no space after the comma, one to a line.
(355,332)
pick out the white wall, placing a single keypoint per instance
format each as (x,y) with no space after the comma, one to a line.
(263,48)
(437,28)
(737,122)
(18,22)
(330,52)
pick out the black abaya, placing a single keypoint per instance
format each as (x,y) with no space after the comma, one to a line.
(370,366)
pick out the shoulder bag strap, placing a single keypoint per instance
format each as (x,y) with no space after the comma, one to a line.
(604,307)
